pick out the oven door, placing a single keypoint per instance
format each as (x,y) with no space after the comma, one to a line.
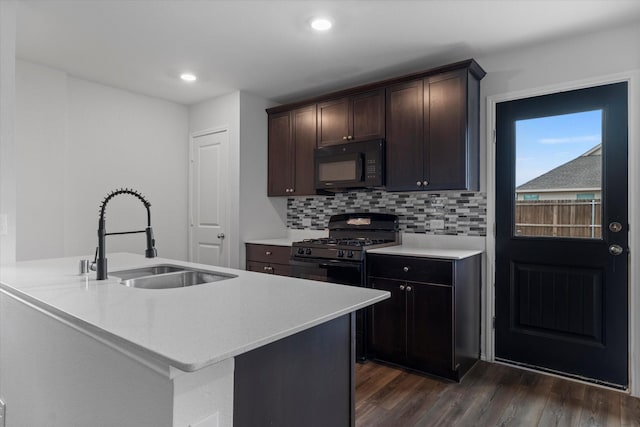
(342,272)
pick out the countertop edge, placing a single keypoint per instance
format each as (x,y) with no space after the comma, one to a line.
(451,254)
(153,359)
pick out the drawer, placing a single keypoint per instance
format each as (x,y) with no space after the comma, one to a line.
(263,267)
(268,253)
(410,268)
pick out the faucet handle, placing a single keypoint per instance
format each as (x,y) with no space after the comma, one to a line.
(151,251)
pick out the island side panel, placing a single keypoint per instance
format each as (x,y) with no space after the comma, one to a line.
(306,379)
(52,375)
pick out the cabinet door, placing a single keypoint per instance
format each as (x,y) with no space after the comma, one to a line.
(281,155)
(304,139)
(333,122)
(404,112)
(367,116)
(387,336)
(430,327)
(445,118)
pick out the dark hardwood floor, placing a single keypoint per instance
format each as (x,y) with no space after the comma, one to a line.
(489,395)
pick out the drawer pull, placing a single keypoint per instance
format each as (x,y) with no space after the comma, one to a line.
(408,288)
(402,287)
(267,268)
(267,253)
(405,269)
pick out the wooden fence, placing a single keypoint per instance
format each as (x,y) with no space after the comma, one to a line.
(559,218)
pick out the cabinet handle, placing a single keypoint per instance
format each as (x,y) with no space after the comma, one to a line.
(405,269)
(344,138)
(349,137)
(419,183)
(408,288)
(267,268)
(425,183)
(267,253)
(402,287)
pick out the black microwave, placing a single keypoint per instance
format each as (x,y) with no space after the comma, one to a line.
(351,165)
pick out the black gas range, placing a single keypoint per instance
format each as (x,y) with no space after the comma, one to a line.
(340,257)
(350,235)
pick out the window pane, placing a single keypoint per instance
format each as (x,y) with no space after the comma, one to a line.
(559,176)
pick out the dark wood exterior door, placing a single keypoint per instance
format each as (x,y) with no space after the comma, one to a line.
(561,296)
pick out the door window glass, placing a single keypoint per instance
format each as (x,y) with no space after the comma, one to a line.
(558,176)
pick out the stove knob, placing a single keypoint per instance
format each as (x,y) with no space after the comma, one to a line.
(340,253)
(300,251)
(350,254)
(308,251)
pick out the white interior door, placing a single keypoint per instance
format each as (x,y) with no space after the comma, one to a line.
(209,198)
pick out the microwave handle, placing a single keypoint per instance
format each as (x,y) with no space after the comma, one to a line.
(360,167)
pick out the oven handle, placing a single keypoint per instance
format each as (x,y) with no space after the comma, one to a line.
(322,263)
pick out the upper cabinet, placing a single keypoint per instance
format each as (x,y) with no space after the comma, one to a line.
(352,118)
(430,121)
(292,139)
(432,133)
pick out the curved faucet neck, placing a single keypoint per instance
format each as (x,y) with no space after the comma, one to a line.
(101,259)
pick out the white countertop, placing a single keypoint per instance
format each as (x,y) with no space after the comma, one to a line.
(187,328)
(292,236)
(403,250)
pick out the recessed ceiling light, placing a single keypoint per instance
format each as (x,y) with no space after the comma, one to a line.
(321,24)
(188,77)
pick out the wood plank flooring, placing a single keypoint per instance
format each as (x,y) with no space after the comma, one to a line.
(489,395)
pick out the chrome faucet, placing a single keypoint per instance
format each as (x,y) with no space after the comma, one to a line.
(100,258)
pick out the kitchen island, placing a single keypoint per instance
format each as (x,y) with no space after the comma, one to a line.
(250,350)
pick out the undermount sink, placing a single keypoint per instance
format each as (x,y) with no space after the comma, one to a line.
(167,277)
(151,270)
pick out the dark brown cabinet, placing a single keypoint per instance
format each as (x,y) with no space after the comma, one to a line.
(357,117)
(430,121)
(432,132)
(270,259)
(431,323)
(292,139)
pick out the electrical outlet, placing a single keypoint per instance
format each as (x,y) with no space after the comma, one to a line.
(4,224)
(436,224)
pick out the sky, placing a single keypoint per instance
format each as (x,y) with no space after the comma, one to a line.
(547,142)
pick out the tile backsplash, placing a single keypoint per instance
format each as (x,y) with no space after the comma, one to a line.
(446,213)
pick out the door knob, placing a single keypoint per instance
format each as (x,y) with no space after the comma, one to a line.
(615,250)
(616,227)
(220,235)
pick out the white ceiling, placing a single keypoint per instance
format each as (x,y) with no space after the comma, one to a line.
(266,48)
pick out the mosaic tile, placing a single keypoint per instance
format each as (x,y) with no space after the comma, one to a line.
(464,213)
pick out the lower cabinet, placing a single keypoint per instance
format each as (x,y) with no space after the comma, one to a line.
(431,323)
(269,259)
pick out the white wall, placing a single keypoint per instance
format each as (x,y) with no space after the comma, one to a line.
(252,215)
(78,140)
(7,143)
